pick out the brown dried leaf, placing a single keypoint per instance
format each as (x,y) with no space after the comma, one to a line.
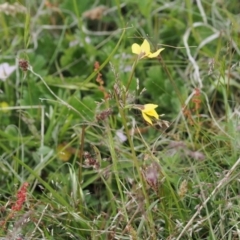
(95,13)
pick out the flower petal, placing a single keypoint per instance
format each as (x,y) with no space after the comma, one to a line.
(149,106)
(146,118)
(152,113)
(136,49)
(149,109)
(145,47)
(155,54)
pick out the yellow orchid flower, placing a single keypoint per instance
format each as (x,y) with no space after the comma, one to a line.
(149,111)
(144,50)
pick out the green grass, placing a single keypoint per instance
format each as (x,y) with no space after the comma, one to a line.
(72,127)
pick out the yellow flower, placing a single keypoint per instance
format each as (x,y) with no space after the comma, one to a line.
(149,111)
(144,50)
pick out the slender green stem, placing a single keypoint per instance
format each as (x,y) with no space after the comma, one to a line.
(129,81)
(80,165)
(119,12)
(115,163)
(115,168)
(135,162)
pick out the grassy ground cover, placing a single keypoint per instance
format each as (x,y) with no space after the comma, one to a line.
(119,119)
